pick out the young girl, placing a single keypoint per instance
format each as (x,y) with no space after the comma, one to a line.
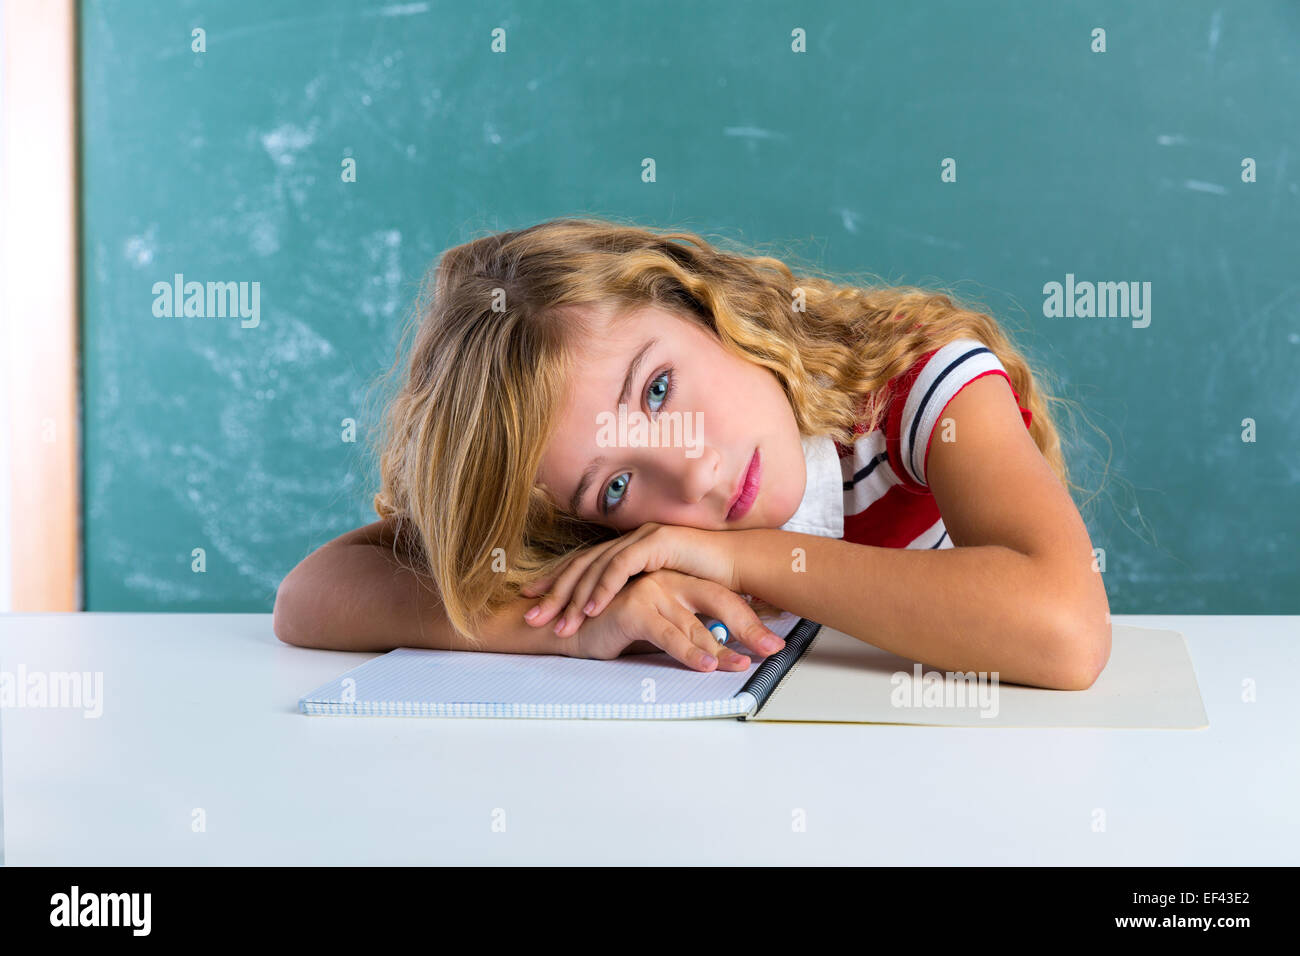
(615,430)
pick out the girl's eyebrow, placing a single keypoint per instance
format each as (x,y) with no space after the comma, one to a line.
(576,500)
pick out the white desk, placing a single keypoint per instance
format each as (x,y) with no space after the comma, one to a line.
(200,711)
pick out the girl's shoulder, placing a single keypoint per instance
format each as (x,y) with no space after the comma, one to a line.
(915,399)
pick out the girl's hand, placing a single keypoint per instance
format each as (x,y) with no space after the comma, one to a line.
(660,608)
(591,577)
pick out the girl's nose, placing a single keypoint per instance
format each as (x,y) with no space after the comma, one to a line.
(699,476)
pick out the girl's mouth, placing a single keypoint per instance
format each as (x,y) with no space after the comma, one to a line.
(748,489)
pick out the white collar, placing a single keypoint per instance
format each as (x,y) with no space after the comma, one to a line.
(821,511)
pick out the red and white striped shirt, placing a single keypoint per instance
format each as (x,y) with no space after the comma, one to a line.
(875,491)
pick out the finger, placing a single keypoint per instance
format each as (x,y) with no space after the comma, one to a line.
(563,592)
(547,607)
(701,637)
(710,597)
(603,580)
(660,631)
(620,569)
(539,586)
(579,597)
(612,569)
(609,581)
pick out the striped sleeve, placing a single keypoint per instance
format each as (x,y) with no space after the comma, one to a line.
(922,393)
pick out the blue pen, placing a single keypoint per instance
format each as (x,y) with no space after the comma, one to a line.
(718,630)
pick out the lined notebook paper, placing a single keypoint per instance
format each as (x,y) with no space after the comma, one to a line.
(820,675)
(419,682)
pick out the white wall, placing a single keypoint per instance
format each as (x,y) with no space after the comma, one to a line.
(6,603)
(6,597)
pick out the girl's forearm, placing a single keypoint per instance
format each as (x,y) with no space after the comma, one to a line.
(353,595)
(986,608)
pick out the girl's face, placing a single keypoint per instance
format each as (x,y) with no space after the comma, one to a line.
(696,417)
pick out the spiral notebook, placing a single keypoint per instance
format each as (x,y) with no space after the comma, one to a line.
(820,675)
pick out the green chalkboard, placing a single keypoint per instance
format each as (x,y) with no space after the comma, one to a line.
(226,165)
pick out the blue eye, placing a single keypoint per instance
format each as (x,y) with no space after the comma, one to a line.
(667,379)
(621,479)
(669,383)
